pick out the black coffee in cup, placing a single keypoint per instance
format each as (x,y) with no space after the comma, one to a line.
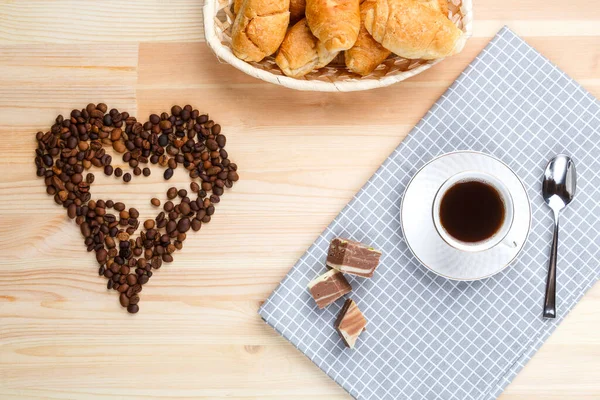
(472,211)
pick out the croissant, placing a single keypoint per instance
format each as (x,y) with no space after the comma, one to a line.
(334,22)
(439,5)
(301,52)
(237,4)
(259,28)
(412,29)
(366,54)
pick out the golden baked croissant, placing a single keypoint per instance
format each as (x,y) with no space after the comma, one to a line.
(334,22)
(301,52)
(439,5)
(412,30)
(237,4)
(259,28)
(367,53)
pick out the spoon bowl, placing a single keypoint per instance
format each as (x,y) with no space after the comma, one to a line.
(558,190)
(560,182)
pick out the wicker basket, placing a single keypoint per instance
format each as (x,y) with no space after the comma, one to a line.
(218,18)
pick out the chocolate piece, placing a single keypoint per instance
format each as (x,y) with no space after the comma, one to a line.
(350,323)
(329,287)
(353,257)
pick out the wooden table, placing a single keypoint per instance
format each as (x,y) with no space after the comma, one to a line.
(302,156)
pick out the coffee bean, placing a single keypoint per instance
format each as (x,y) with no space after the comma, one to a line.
(168,207)
(182,193)
(167,258)
(134,213)
(143,279)
(119,146)
(137,171)
(127,177)
(132,279)
(156,263)
(233,176)
(176,110)
(134,299)
(149,224)
(108,170)
(124,300)
(196,224)
(146,171)
(119,206)
(72,211)
(183,225)
(217,191)
(118,172)
(101,256)
(194,187)
(184,208)
(171,193)
(221,140)
(168,173)
(133,308)
(155,202)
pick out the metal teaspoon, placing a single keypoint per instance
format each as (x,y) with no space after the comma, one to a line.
(558,190)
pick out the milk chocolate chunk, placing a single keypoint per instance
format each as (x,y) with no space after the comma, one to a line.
(353,257)
(329,287)
(350,323)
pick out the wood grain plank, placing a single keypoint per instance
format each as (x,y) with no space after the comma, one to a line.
(98,64)
(26,21)
(38,82)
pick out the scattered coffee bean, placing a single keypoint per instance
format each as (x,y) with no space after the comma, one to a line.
(168,173)
(155,202)
(127,177)
(124,300)
(118,172)
(171,193)
(146,171)
(133,308)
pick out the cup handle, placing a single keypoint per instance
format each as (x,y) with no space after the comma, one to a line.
(509,242)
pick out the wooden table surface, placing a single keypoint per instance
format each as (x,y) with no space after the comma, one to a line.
(302,156)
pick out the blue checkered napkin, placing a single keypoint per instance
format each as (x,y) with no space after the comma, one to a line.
(429,337)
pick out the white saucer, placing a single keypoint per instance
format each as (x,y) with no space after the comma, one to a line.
(425,242)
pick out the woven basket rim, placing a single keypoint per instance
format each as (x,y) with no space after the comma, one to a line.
(225,54)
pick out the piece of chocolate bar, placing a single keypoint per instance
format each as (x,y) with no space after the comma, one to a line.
(329,287)
(353,257)
(350,323)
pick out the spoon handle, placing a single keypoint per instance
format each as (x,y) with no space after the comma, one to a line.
(550,300)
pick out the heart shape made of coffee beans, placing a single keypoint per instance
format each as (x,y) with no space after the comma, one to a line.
(183,138)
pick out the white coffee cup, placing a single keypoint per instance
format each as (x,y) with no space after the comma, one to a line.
(501,237)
